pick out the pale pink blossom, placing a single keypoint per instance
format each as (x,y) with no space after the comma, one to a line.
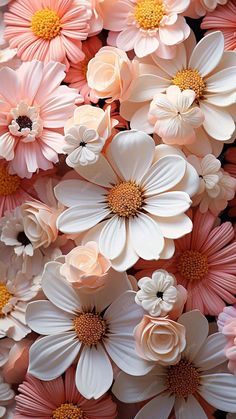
(227,326)
(198,8)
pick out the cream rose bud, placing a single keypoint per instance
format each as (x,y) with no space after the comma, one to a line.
(39,222)
(160,339)
(85,267)
(110,74)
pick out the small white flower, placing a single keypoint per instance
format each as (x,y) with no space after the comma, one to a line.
(25,122)
(13,234)
(158,294)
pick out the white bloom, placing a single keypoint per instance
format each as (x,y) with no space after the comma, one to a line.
(90,327)
(6,400)
(179,385)
(30,116)
(140,193)
(13,233)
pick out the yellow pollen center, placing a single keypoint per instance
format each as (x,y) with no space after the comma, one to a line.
(183,379)
(9,184)
(90,328)
(190,79)
(5,296)
(68,411)
(45,24)
(125,199)
(193,265)
(149,13)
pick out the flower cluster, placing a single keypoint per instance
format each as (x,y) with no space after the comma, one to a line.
(117,206)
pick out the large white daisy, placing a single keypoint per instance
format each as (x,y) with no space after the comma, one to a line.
(179,386)
(142,193)
(204,68)
(89,327)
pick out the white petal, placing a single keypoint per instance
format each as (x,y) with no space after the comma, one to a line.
(212,45)
(139,120)
(222,81)
(161,404)
(174,227)
(81,217)
(212,352)
(190,181)
(183,407)
(169,249)
(74,191)
(46,319)
(219,391)
(58,290)
(146,86)
(225,126)
(100,173)
(168,204)
(94,374)
(197,329)
(146,237)
(164,175)
(50,356)
(113,237)
(171,67)
(128,256)
(133,143)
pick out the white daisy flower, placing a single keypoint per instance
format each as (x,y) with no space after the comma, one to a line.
(180,385)
(135,201)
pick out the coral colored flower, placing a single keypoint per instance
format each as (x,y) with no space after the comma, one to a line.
(187,385)
(77,73)
(213,81)
(147,26)
(203,263)
(48,30)
(223,19)
(135,206)
(34,108)
(87,328)
(198,8)
(16,365)
(6,400)
(216,186)
(173,116)
(60,398)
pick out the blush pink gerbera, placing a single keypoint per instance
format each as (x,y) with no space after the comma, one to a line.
(147,26)
(60,398)
(223,19)
(77,74)
(48,30)
(34,109)
(204,263)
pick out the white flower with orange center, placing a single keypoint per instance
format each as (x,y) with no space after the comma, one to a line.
(184,385)
(213,81)
(86,328)
(147,26)
(135,201)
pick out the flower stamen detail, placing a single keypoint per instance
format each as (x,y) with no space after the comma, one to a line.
(149,13)
(9,184)
(193,265)
(45,24)
(68,411)
(190,79)
(5,296)
(90,328)
(125,199)
(182,379)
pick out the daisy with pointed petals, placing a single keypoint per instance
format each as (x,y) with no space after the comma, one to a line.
(48,30)
(90,327)
(34,108)
(60,398)
(6,400)
(147,26)
(180,385)
(132,207)
(203,263)
(213,81)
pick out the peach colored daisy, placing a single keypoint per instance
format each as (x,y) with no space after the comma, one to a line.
(48,30)
(204,263)
(198,8)
(147,26)
(77,74)
(223,19)
(60,398)
(34,109)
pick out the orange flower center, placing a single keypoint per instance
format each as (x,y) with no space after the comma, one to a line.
(9,184)
(125,199)
(90,328)
(68,411)
(192,265)
(45,24)
(5,296)
(149,13)
(183,379)
(190,79)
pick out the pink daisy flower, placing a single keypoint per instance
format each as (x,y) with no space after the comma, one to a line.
(204,263)
(77,74)
(60,398)
(223,19)
(48,30)
(34,109)
(147,26)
